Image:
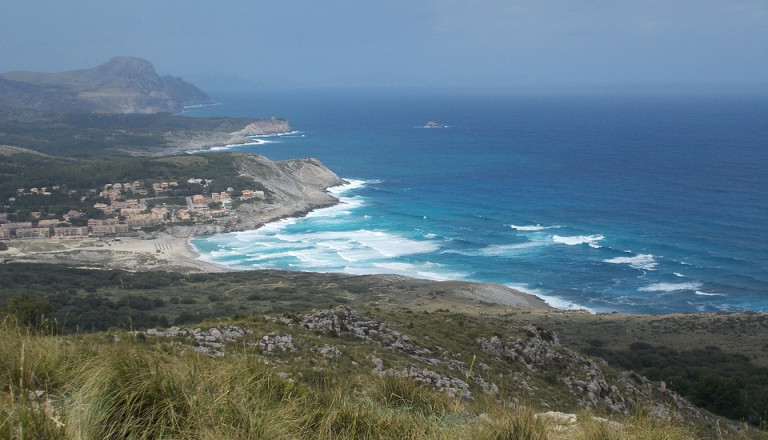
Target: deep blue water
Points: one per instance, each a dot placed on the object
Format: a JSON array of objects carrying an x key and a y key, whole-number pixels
[{"x": 633, "y": 204}]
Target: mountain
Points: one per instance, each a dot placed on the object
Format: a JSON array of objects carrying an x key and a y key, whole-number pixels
[{"x": 121, "y": 85}]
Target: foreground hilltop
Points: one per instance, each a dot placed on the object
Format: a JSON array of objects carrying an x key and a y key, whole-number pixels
[
  {"x": 121, "y": 85},
  {"x": 399, "y": 358}
]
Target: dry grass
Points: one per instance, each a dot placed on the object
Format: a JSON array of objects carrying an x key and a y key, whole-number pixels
[{"x": 93, "y": 387}]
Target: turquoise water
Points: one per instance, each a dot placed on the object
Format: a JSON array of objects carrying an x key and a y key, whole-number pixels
[{"x": 632, "y": 204}]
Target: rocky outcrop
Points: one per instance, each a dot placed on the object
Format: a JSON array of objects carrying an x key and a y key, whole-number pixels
[
  {"x": 527, "y": 359},
  {"x": 121, "y": 85},
  {"x": 270, "y": 344},
  {"x": 259, "y": 127},
  {"x": 534, "y": 356},
  {"x": 540, "y": 354},
  {"x": 264, "y": 127},
  {"x": 210, "y": 341}
]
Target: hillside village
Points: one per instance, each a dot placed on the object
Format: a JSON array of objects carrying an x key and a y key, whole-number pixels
[{"x": 127, "y": 207}]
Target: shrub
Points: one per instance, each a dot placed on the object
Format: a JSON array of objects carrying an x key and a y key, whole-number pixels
[{"x": 29, "y": 312}]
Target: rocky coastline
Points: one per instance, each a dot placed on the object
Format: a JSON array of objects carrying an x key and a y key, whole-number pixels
[
  {"x": 297, "y": 187},
  {"x": 186, "y": 141}
]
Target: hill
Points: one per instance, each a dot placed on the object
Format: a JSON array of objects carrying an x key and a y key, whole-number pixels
[
  {"x": 386, "y": 364},
  {"x": 99, "y": 135},
  {"x": 121, "y": 108},
  {"x": 344, "y": 333},
  {"x": 121, "y": 85}
]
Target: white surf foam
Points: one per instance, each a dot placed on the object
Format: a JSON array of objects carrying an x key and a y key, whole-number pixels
[
  {"x": 591, "y": 240},
  {"x": 553, "y": 301},
  {"x": 345, "y": 207},
  {"x": 699, "y": 292},
  {"x": 532, "y": 228},
  {"x": 500, "y": 250},
  {"x": 290, "y": 133},
  {"x": 387, "y": 245},
  {"x": 423, "y": 271},
  {"x": 669, "y": 287},
  {"x": 279, "y": 243},
  {"x": 252, "y": 141},
  {"x": 322, "y": 250},
  {"x": 639, "y": 261},
  {"x": 351, "y": 185}
]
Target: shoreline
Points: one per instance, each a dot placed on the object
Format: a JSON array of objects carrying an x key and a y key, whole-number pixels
[
  {"x": 251, "y": 140},
  {"x": 172, "y": 250},
  {"x": 134, "y": 254},
  {"x": 166, "y": 252}
]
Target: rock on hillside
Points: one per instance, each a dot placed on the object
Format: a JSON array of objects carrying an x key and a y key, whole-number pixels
[
  {"x": 264, "y": 127},
  {"x": 121, "y": 85},
  {"x": 520, "y": 362}
]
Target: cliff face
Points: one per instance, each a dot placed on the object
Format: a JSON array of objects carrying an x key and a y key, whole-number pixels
[
  {"x": 297, "y": 186},
  {"x": 121, "y": 85}
]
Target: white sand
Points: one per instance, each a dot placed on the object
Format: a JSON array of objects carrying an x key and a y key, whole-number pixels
[{"x": 134, "y": 254}]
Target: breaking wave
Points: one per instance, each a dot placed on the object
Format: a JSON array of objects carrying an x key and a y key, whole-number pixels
[
  {"x": 532, "y": 228},
  {"x": 670, "y": 287},
  {"x": 639, "y": 261},
  {"x": 591, "y": 240}
]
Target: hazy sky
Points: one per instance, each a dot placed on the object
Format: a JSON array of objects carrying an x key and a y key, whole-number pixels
[{"x": 415, "y": 43}]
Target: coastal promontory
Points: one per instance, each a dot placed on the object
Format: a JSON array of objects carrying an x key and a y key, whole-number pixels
[
  {"x": 121, "y": 85},
  {"x": 121, "y": 108}
]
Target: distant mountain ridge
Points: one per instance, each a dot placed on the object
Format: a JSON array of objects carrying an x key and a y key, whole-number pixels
[{"x": 121, "y": 85}]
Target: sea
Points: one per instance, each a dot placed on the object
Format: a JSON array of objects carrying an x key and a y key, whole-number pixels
[{"x": 633, "y": 203}]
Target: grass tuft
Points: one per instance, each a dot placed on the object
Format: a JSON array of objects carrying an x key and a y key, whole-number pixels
[{"x": 99, "y": 387}]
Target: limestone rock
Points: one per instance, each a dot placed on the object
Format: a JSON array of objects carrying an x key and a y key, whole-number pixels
[{"x": 269, "y": 344}]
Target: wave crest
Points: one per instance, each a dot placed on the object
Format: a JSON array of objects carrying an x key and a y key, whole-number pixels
[
  {"x": 591, "y": 240},
  {"x": 670, "y": 287},
  {"x": 531, "y": 228},
  {"x": 639, "y": 261}
]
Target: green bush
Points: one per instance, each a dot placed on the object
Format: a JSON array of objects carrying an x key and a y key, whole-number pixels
[
  {"x": 726, "y": 384},
  {"x": 30, "y": 312}
]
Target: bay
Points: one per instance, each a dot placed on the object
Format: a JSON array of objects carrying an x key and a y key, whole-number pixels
[{"x": 636, "y": 204}]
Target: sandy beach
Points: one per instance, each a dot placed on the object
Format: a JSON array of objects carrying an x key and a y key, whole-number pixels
[
  {"x": 163, "y": 252},
  {"x": 169, "y": 253}
]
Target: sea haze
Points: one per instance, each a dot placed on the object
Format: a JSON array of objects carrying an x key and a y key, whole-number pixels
[{"x": 629, "y": 204}]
